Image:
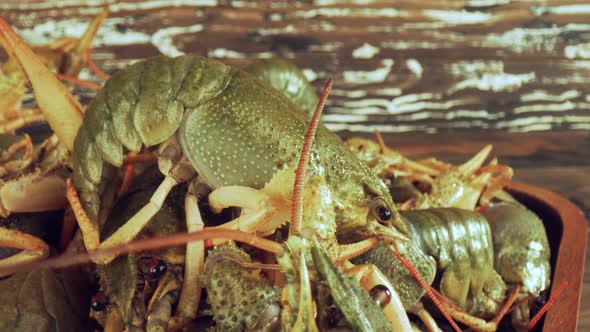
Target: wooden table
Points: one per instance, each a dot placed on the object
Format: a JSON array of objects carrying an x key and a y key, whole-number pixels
[{"x": 455, "y": 74}]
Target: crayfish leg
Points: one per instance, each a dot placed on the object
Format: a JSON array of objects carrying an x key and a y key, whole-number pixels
[
  {"x": 425, "y": 317},
  {"x": 22, "y": 119},
  {"x": 33, "y": 247},
  {"x": 81, "y": 52},
  {"x": 262, "y": 212},
  {"x": 60, "y": 108},
  {"x": 190, "y": 294}
]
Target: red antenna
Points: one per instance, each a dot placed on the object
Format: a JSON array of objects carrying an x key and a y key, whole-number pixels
[
  {"x": 426, "y": 286},
  {"x": 297, "y": 204},
  {"x": 549, "y": 303}
]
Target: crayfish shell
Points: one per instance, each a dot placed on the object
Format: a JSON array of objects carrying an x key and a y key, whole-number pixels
[
  {"x": 521, "y": 246},
  {"x": 251, "y": 299}
]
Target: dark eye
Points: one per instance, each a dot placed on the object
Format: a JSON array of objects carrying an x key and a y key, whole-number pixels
[
  {"x": 381, "y": 295},
  {"x": 98, "y": 302},
  {"x": 156, "y": 269},
  {"x": 384, "y": 213},
  {"x": 381, "y": 212}
]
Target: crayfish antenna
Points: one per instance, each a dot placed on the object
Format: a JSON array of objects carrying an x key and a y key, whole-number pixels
[
  {"x": 297, "y": 202},
  {"x": 147, "y": 244},
  {"x": 426, "y": 286},
  {"x": 60, "y": 108}
]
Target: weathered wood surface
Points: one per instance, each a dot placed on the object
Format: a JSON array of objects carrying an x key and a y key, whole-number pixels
[
  {"x": 445, "y": 67},
  {"x": 399, "y": 66}
]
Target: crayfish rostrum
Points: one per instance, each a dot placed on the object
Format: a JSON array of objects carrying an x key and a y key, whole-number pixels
[{"x": 248, "y": 143}]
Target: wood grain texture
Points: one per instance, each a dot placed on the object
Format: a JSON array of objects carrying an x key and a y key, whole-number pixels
[
  {"x": 430, "y": 66},
  {"x": 443, "y": 71}
]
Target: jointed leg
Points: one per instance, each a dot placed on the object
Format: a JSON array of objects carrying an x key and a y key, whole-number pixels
[
  {"x": 478, "y": 323},
  {"x": 23, "y": 119},
  {"x": 190, "y": 294},
  {"x": 33, "y": 247},
  {"x": 126, "y": 232},
  {"x": 262, "y": 213},
  {"x": 425, "y": 317}
]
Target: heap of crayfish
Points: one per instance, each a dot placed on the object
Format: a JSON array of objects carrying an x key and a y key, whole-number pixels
[{"x": 282, "y": 233}]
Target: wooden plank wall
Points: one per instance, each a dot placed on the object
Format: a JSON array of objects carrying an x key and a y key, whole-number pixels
[{"x": 427, "y": 66}]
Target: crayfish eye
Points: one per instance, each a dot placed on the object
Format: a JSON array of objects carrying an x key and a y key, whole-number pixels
[
  {"x": 156, "y": 269},
  {"x": 98, "y": 302},
  {"x": 384, "y": 213},
  {"x": 381, "y": 212},
  {"x": 381, "y": 295}
]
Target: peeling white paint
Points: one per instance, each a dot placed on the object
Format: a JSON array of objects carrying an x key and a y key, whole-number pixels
[
  {"x": 389, "y": 91},
  {"x": 373, "y": 76},
  {"x": 487, "y": 3},
  {"x": 561, "y": 107},
  {"x": 577, "y": 51},
  {"x": 415, "y": 67},
  {"x": 367, "y": 102},
  {"x": 163, "y": 39},
  {"x": 543, "y": 95},
  {"x": 412, "y": 98},
  {"x": 366, "y": 51},
  {"x": 108, "y": 34},
  {"x": 326, "y": 47},
  {"x": 443, "y": 105},
  {"x": 350, "y": 12},
  {"x": 349, "y": 93},
  {"x": 413, "y": 44},
  {"x": 522, "y": 40},
  {"x": 495, "y": 82},
  {"x": 570, "y": 9},
  {"x": 460, "y": 17},
  {"x": 224, "y": 53},
  {"x": 532, "y": 127},
  {"x": 486, "y": 76},
  {"x": 531, "y": 121}
]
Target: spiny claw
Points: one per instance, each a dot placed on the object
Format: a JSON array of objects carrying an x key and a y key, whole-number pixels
[
  {"x": 470, "y": 166},
  {"x": 305, "y": 315},
  {"x": 61, "y": 109}
]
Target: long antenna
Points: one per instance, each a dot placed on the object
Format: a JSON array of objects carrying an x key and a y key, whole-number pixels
[{"x": 297, "y": 198}]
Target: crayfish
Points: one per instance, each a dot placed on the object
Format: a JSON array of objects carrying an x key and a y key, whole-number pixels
[{"x": 241, "y": 137}]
